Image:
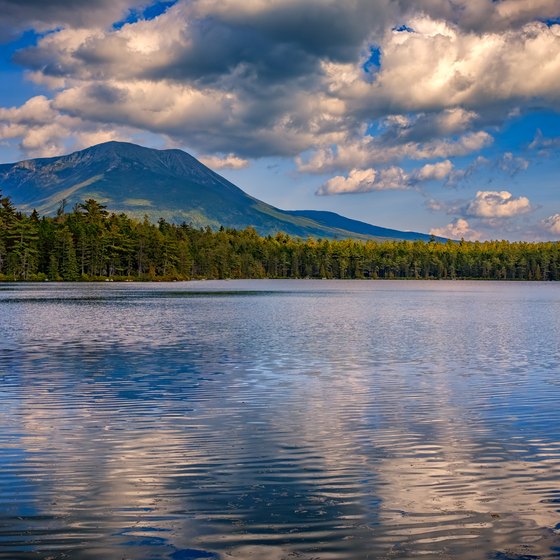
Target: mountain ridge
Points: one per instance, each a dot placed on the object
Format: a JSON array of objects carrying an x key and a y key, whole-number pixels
[{"x": 169, "y": 184}]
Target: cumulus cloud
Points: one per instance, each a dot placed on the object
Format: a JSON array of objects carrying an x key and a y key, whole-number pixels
[
  {"x": 358, "y": 181},
  {"x": 389, "y": 178},
  {"x": 439, "y": 66},
  {"x": 497, "y": 204},
  {"x": 489, "y": 15},
  {"x": 366, "y": 180},
  {"x": 44, "y": 132},
  {"x": 37, "y": 125},
  {"x": 36, "y": 110},
  {"x": 170, "y": 76},
  {"x": 210, "y": 119},
  {"x": 491, "y": 215},
  {"x": 213, "y": 41},
  {"x": 346, "y": 24},
  {"x": 48, "y": 14},
  {"x": 370, "y": 150},
  {"x": 226, "y": 162},
  {"x": 437, "y": 171},
  {"x": 259, "y": 78},
  {"x": 457, "y": 229},
  {"x": 421, "y": 127},
  {"x": 551, "y": 224}
]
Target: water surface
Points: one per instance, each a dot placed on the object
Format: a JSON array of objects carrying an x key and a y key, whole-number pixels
[{"x": 280, "y": 419}]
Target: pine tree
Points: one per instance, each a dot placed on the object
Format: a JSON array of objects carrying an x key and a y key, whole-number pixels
[
  {"x": 67, "y": 255},
  {"x": 23, "y": 241}
]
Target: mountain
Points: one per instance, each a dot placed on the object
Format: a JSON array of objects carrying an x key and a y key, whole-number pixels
[{"x": 169, "y": 184}]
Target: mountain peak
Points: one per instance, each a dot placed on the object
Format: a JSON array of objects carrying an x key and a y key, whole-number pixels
[
  {"x": 116, "y": 147},
  {"x": 130, "y": 151}
]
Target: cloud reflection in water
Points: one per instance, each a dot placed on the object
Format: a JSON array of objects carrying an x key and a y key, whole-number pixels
[{"x": 330, "y": 420}]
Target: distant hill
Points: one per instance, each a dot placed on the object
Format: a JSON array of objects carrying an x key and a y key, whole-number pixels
[{"x": 169, "y": 184}]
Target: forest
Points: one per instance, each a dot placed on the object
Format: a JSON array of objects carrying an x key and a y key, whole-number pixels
[{"x": 91, "y": 244}]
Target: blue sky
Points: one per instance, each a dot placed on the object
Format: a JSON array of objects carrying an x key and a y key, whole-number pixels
[{"x": 442, "y": 116}]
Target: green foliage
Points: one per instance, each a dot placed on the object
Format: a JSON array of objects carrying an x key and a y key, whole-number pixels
[{"x": 89, "y": 243}]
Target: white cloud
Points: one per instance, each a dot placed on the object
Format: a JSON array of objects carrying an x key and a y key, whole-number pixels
[
  {"x": 440, "y": 66},
  {"x": 366, "y": 180},
  {"x": 389, "y": 178},
  {"x": 393, "y": 178},
  {"x": 194, "y": 75},
  {"x": 50, "y": 14},
  {"x": 369, "y": 151},
  {"x": 456, "y": 119},
  {"x": 36, "y": 110},
  {"x": 438, "y": 171},
  {"x": 227, "y": 162},
  {"x": 37, "y": 125},
  {"x": 43, "y": 131},
  {"x": 193, "y": 66},
  {"x": 209, "y": 118},
  {"x": 497, "y": 204},
  {"x": 423, "y": 127},
  {"x": 457, "y": 229},
  {"x": 552, "y": 224},
  {"x": 489, "y": 15},
  {"x": 358, "y": 180}
]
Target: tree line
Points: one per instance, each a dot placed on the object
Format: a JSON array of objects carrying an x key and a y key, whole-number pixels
[{"x": 90, "y": 243}]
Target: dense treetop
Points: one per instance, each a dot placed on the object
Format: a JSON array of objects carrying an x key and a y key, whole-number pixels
[{"x": 89, "y": 243}]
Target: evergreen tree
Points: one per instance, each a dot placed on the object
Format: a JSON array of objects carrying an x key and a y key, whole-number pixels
[
  {"x": 90, "y": 243},
  {"x": 68, "y": 264}
]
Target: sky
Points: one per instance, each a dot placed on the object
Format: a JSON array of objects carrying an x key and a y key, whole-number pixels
[{"x": 438, "y": 116}]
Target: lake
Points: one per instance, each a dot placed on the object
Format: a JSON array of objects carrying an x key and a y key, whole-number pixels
[{"x": 336, "y": 420}]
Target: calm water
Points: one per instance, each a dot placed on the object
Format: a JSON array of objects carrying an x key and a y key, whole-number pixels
[{"x": 280, "y": 420}]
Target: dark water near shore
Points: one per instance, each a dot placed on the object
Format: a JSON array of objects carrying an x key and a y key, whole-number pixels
[{"x": 280, "y": 420}]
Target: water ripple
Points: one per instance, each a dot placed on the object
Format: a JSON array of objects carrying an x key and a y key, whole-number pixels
[{"x": 280, "y": 420}]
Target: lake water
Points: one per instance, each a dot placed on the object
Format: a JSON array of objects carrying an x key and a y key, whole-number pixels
[{"x": 280, "y": 420}]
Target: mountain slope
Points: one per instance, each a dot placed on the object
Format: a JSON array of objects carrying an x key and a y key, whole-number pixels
[
  {"x": 169, "y": 184},
  {"x": 330, "y": 219}
]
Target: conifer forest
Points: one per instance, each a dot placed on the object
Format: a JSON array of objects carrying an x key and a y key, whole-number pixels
[{"x": 90, "y": 243}]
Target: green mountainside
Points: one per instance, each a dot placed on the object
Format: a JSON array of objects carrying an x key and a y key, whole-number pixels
[{"x": 169, "y": 184}]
